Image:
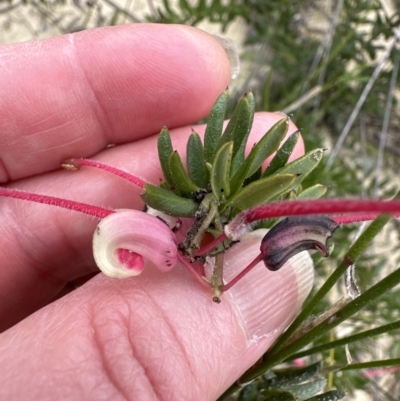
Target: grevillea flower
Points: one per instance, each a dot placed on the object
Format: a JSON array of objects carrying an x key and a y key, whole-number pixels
[{"x": 123, "y": 241}]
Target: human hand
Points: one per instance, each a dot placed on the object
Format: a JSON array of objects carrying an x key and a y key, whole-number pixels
[{"x": 156, "y": 336}]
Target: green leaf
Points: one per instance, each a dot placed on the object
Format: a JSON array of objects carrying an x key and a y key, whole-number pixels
[
  {"x": 197, "y": 169},
  {"x": 314, "y": 192},
  {"x": 214, "y": 127},
  {"x": 349, "y": 339},
  {"x": 381, "y": 363},
  {"x": 282, "y": 155},
  {"x": 167, "y": 202},
  {"x": 220, "y": 172},
  {"x": 303, "y": 166},
  {"x": 305, "y": 390},
  {"x": 165, "y": 150},
  {"x": 291, "y": 376},
  {"x": 277, "y": 395},
  {"x": 267, "y": 145},
  {"x": 249, "y": 393},
  {"x": 239, "y": 125},
  {"x": 333, "y": 395},
  {"x": 261, "y": 191},
  {"x": 181, "y": 180}
]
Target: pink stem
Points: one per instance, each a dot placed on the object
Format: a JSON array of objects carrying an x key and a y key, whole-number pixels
[
  {"x": 211, "y": 245},
  {"x": 197, "y": 276},
  {"x": 73, "y": 164},
  {"x": 96, "y": 211},
  {"x": 304, "y": 207},
  {"x": 255, "y": 262},
  {"x": 355, "y": 218}
]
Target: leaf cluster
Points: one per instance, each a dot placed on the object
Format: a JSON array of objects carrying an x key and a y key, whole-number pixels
[{"x": 220, "y": 170}]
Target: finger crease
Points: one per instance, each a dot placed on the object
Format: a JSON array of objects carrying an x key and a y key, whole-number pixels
[{"x": 97, "y": 108}]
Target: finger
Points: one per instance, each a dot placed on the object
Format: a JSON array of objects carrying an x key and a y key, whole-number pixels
[
  {"x": 157, "y": 336},
  {"x": 46, "y": 247},
  {"x": 73, "y": 95}
]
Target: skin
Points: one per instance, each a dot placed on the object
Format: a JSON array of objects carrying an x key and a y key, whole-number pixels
[{"x": 154, "y": 337}]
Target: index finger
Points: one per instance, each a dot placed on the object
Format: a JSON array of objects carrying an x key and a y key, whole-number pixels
[{"x": 73, "y": 95}]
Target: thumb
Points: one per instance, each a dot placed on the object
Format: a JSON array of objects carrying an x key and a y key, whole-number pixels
[{"x": 157, "y": 336}]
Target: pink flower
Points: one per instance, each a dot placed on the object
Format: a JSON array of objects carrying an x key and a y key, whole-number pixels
[{"x": 124, "y": 240}]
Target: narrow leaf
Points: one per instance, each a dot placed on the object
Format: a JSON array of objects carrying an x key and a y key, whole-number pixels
[
  {"x": 303, "y": 166},
  {"x": 306, "y": 390},
  {"x": 314, "y": 192},
  {"x": 220, "y": 172},
  {"x": 333, "y": 395},
  {"x": 239, "y": 155},
  {"x": 277, "y": 395},
  {"x": 349, "y": 339},
  {"x": 241, "y": 174},
  {"x": 167, "y": 202},
  {"x": 197, "y": 169},
  {"x": 165, "y": 150},
  {"x": 261, "y": 191},
  {"x": 282, "y": 155},
  {"x": 214, "y": 127},
  {"x": 249, "y": 393},
  {"x": 239, "y": 125},
  {"x": 291, "y": 376},
  {"x": 382, "y": 363},
  {"x": 181, "y": 180},
  {"x": 267, "y": 145}
]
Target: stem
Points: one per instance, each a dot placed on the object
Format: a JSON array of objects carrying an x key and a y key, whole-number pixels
[
  {"x": 210, "y": 216},
  {"x": 317, "y": 206},
  {"x": 217, "y": 281},
  {"x": 255, "y": 262},
  {"x": 96, "y": 211},
  {"x": 209, "y": 247},
  {"x": 197, "y": 276},
  {"x": 357, "y": 218},
  {"x": 75, "y": 164}
]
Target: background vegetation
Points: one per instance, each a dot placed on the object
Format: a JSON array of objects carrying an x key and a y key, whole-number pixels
[{"x": 334, "y": 67}]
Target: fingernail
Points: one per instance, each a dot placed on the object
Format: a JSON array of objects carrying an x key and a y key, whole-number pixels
[
  {"x": 266, "y": 301},
  {"x": 232, "y": 54}
]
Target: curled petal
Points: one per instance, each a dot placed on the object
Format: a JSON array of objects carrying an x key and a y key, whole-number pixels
[
  {"x": 296, "y": 234},
  {"x": 125, "y": 239}
]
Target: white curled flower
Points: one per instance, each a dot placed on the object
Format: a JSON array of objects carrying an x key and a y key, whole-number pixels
[{"x": 125, "y": 239}]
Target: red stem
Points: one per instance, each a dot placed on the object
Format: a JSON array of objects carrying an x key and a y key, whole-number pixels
[
  {"x": 197, "y": 276},
  {"x": 371, "y": 208},
  {"x": 356, "y": 218},
  {"x": 74, "y": 164},
  {"x": 254, "y": 263},
  {"x": 96, "y": 211},
  {"x": 211, "y": 245}
]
